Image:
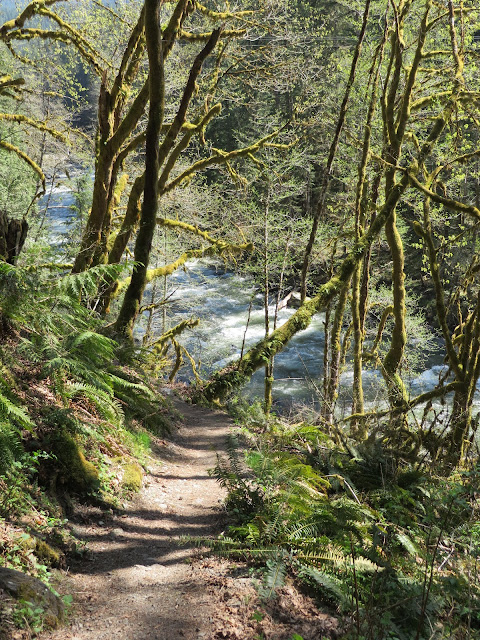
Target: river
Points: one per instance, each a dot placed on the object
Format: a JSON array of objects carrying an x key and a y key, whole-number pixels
[{"x": 222, "y": 300}]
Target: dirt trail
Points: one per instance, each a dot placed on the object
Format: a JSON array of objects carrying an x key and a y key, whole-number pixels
[{"x": 139, "y": 584}]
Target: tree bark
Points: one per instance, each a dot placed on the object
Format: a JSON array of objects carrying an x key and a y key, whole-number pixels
[
  {"x": 133, "y": 295},
  {"x": 156, "y": 155},
  {"x": 13, "y": 234}
]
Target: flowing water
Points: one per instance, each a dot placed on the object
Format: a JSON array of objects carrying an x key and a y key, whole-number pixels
[
  {"x": 232, "y": 317},
  {"x": 232, "y": 314}
]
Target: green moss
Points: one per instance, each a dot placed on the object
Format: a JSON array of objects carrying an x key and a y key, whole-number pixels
[
  {"x": 132, "y": 477},
  {"x": 26, "y": 542},
  {"x": 77, "y": 472},
  {"x": 47, "y": 554}
]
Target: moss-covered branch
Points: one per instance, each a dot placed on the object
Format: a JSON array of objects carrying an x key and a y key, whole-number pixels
[
  {"x": 36, "y": 124},
  {"x": 204, "y": 37},
  {"x": 131, "y": 52},
  {"x": 189, "y": 228},
  {"x": 218, "y": 158},
  {"x": 167, "y": 270},
  {"x": 172, "y": 333},
  {"x": 30, "y": 10},
  {"x": 438, "y": 392},
  {"x": 26, "y": 158},
  {"x": 59, "y": 36},
  {"x": 449, "y": 203},
  {"x": 11, "y": 86}
]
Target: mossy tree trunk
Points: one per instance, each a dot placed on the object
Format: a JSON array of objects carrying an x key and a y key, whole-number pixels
[
  {"x": 156, "y": 156},
  {"x": 335, "y": 341},
  {"x": 396, "y": 110},
  {"x": 134, "y": 293},
  {"x": 117, "y": 137},
  {"x": 115, "y": 126},
  {"x": 361, "y": 275}
]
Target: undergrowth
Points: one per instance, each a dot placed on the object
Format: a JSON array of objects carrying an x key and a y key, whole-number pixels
[
  {"x": 393, "y": 550},
  {"x": 74, "y": 409}
]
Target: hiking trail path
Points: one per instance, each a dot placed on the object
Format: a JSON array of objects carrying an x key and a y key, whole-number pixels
[{"x": 140, "y": 581}]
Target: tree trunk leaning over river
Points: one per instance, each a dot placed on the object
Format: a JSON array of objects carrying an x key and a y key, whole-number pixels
[{"x": 396, "y": 114}]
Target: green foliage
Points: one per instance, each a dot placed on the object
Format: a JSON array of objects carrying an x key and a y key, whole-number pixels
[
  {"x": 28, "y": 615},
  {"x": 10, "y": 447},
  {"x": 57, "y": 338},
  {"x": 13, "y": 479},
  {"x": 274, "y": 577},
  {"x": 132, "y": 477},
  {"x": 390, "y": 553},
  {"x": 17, "y": 181}
]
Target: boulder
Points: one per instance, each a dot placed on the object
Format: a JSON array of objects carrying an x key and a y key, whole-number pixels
[{"x": 25, "y": 588}]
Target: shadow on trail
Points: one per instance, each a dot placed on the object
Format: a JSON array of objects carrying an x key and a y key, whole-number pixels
[
  {"x": 150, "y": 535},
  {"x": 208, "y": 444},
  {"x": 157, "y": 545}
]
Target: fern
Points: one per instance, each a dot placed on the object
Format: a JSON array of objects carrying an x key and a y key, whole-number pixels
[
  {"x": 334, "y": 587},
  {"x": 106, "y": 404},
  {"x": 274, "y": 577},
  {"x": 86, "y": 284},
  {"x": 10, "y": 411},
  {"x": 16, "y": 414},
  {"x": 407, "y": 543},
  {"x": 122, "y": 384},
  {"x": 10, "y": 447}
]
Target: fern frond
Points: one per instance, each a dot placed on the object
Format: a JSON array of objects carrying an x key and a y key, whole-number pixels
[
  {"x": 128, "y": 385},
  {"x": 274, "y": 577},
  {"x": 87, "y": 283},
  {"x": 407, "y": 543},
  {"x": 15, "y": 413},
  {"x": 10, "y": 447},
  {"x": 10, "y": 411},
  {"x": 334, "y": 587},
  {"x": 106, "y": 404}
]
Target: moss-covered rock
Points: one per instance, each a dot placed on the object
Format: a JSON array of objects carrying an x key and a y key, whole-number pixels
[
  {"x": 47, "y": 554},
  {"x": 27, "y": 589},
  {"x": 75, "y": 470},
  {"x": 132, "y": 476}
]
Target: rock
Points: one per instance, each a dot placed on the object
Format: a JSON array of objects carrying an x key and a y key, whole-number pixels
[
  {"x": 294, "y": 300},
  {"x": 77, "y": 472},
  {"x": 28, "y": 589},
  {"x": 117, "y": 533},
  {"x": 47, "y": 554}
]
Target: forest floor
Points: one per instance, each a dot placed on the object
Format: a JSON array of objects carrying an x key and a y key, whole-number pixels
[{"x": 140, "y": 581}]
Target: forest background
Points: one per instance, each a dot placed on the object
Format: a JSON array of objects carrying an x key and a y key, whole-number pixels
[{"x": 321, "y": 148}]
